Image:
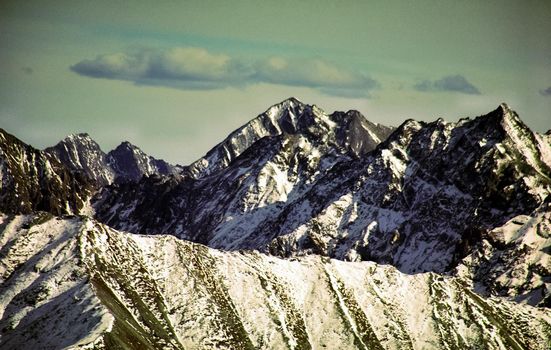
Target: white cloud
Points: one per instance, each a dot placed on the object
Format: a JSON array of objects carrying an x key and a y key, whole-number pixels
[{"x": 196, "y": 68}]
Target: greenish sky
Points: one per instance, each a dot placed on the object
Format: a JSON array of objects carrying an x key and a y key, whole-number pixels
[{"x": 175, "y": 77}]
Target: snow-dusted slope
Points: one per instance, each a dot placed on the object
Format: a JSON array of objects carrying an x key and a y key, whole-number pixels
[
  {"x": 74, "y": 283},
  {"x": 514, "y": 260},
  {"x": 80, "y": 153},
  {"x": 33, "y": 180}
]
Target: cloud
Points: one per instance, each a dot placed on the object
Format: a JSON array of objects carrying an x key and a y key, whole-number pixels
[
  {"x": 196, "y": 68},
  {"x": 546, "y": 92},
  {"x": 454, "y": 83},
  {"x": 186, "y": 68},
  {"x": 317, "y": 74}
]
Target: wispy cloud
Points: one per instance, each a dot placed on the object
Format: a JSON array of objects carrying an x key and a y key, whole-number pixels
[
  {"x": 198, "y": 69},
  {"x": 546, "y": 92},
  {"x": 453, "y": 83}
]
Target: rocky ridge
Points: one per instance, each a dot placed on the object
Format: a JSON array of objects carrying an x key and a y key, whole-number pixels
[{"x": 77, "y": 284}]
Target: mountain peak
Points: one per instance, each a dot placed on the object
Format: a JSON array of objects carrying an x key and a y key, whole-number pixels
[
  {"x": 291, "y": 100},
  {"x": 504, "y": 107},
  {"x": 79, "y": 152},
  {"x": 506, "y": 113},
  {"x": 131, "y": 163},
  {"x": 78, "y": 137},
  {"x": 283, "y": 108},
  {"x": 126, "y": 145},
  {"x": 340, "y": 131}
]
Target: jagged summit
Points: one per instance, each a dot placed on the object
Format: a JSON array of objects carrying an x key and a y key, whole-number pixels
[
  {"x": 126, "y": 145},
  {"x": 81, "y": 153},
  {"x": 346, "y": 132},
  {"x": 504, "y": 106},
  {"x": 126, "y": 162},
  {"x": 130, "y": 163},
  {"x": 33, "y": 180},
  {"x": 290, "y": 101},
  {"x": 78, "y": 135}
]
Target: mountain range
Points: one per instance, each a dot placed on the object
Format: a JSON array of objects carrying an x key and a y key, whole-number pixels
[{"x": 301, "y": 229}]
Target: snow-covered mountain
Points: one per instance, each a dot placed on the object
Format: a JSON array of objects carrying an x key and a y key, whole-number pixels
[
  {"x": 77, "y": 284},
  {"x": 342, "y": 132},
  {"x": 302, "y": 229},
  {"x": 249, "y": 178}
]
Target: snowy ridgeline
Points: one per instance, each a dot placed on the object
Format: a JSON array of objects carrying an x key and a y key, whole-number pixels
[{"x": 75, "y": 283}]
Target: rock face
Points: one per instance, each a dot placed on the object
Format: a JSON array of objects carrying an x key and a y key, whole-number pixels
[
  {"x": 249, "y": 178},
  {"x": 62, "y": 179},
  {"x": 513, "y": 260},
  {"x": 34, "y": 180},
  {"x": 340, "y": 131},
  {"x": 74, "y": 283},
  {"x": 80, "y": 153}
]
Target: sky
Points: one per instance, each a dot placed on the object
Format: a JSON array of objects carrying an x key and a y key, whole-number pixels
[{"x": 176, "y": 77}]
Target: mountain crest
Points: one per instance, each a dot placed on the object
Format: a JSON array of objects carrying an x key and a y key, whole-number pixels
[
  {"x": 131, "y": 163},
  {"x": 80, "y": 153},
  {"x": 346, "y": 132}
]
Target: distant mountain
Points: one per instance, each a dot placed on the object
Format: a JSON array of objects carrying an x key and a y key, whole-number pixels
[
  {"x": 249, "y": 178},
  {"x": 33, "y": 180},
  {"x": 83, "y": 285},
  {"x": 346, "y": 132},
  {"x": 131, "y": 163},
  {"x": 80, "y": 153},
  {"x": 63, "y": 178}
]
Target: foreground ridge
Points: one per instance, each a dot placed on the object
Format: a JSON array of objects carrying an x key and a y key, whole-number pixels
[{"x": 75, "y": 283}]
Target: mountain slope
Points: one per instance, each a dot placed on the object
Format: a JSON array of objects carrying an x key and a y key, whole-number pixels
[
  {"x": 514, "y": 260},
  {"x": 80, "y": 153},
  {"x": 33, "y": 180},
  {"x": 250, "y": 176},
  {"x": 78, "y": 284},
  {"x": 422, "y": 197}
]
